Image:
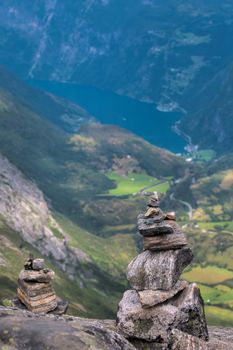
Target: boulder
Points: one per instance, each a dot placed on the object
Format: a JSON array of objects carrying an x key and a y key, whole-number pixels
[
  {"x": 184, "y": 312},
  {"x": 158, "y": 270},
  {"x": 183, "y": 341},
  {"x": 153, "y": 324},
  {"x": 191, "y": 303},
  {"x": 149, "y": 298},
  {"x": 24, "y": 330}
]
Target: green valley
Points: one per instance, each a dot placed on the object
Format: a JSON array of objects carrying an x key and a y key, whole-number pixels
[{"x": 94, "y": 177}]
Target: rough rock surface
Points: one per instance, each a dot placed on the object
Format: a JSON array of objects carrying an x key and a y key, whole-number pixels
[
  {"x": 149, "y": 298},
  {"x": 165, "y": 242},
  {"x": 42, "y": 303},
  {"x": 36, "y": 276},
  {"x": 190, "y": 302},
  {"x": 24, "y": 330},
  {"x": 180, "y": 341},
  {"x": 21, "y": 329},
  {"x": 158, "y": 270},
  {"x": 25, "y": 210},
  {"x": 151, "y": 324},
  {"x": 221, "y": 338},
  {"x": 154, "y": 226},
  {"x": 185, "y": 312}
]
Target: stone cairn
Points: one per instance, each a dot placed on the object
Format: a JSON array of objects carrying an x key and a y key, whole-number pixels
[
  {"x": 160, "y": 308},
  {"x": 34, "y": 287}
]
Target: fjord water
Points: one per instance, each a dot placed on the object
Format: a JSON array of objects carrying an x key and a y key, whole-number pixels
[{"x": 141, "y": 118}]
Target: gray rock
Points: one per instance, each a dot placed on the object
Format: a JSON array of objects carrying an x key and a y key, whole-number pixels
[
  {"x": 221, "y": 338},
  {"x": 36, "y": 276},
  {"x": 158, "y": 270},
  {"x": 165, "y": 242},
  {"x": 153, "y": 324},
  {"x": 153, "y": 201},
  {"x": 149, "y": 298},
  {"x": 154, "y": 226},
  {"x": 191, "y": 303},
  {"x": 24, "y": 330},
  {"x": 184, "y": 341},
  {"x": 38, "y": 264},
  {"x": 145, "y": 345}
]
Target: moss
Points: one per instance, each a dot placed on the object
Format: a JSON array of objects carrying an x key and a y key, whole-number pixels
[
  {"x": 7, "y": 303},
  {"x": 143, "y": 326}
]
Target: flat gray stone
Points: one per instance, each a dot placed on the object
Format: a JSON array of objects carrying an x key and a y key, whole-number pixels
[
  {"x": 149, "y": 298},
  {"x": 154, "y": 225},
  {"x": 36, "y": 276},
  {"x": 165, "y": 242},
  {"x": 158, "y": 270}
]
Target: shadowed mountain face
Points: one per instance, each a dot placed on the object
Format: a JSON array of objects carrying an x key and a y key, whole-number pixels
[
  {"x": 151, "y": 50},
  {"x": 211, "y": 126}
]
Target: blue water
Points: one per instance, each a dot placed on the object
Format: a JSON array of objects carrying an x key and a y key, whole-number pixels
[{"x": 141, "y": 118}]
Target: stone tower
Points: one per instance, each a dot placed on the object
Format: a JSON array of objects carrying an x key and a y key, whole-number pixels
[{"x": 160, "y": 308}]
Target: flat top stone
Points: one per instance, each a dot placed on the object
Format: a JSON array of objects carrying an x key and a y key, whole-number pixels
[
  {"x": 149, "y": 298},
  {"x": 42, "y": 276}
]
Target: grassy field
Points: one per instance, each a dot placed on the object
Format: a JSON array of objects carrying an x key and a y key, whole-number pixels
[
  {"x": 133, "y": 183},
  {"x": 206, "y": 155},
  {"x": 209, "y": 275},
  {"x": 219, "y": 316},
  {"x": 227, "y": 225}
]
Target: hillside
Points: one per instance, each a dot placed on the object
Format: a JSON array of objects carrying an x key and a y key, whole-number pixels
[
  {"x": 56, "y": 200},
  {"x": 211, "y": 126},
  {"x": 65, "y": 166},
  {"x": 208, "y": 192},
  {"x": 151, "y": 50}
]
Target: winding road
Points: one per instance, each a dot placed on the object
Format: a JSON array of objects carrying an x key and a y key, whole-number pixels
[{"x": 188, "y": 205}]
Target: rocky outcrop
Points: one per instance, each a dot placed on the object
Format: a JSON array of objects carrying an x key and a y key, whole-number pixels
[
  {"x": 23, "y": 207},
  {"x": 161, "y": 309},
  {"x": 24, "y": 330},
  {"x": 21, "y": 329}
]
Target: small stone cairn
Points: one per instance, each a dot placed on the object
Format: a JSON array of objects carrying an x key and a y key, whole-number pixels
[
  {"x": 161, "y": 309},
  {"x": 34, "y": 287}
]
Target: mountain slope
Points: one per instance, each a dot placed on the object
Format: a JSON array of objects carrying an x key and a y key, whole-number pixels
[
  {"x": 212, "y": 126},
  {"x": 69, "y": 171},
  {"x": 152, "y": 50},
  {"x": 55, "y": 200}
]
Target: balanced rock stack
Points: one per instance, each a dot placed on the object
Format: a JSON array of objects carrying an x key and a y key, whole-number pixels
[
  {"x": 160, "y": 308},
  {"x": 34, "y": 287}
]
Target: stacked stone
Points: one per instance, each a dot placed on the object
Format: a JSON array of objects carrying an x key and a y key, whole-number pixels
[
  {"x": 160, "y": 306},
  {"x": 34, "y": 287}
]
